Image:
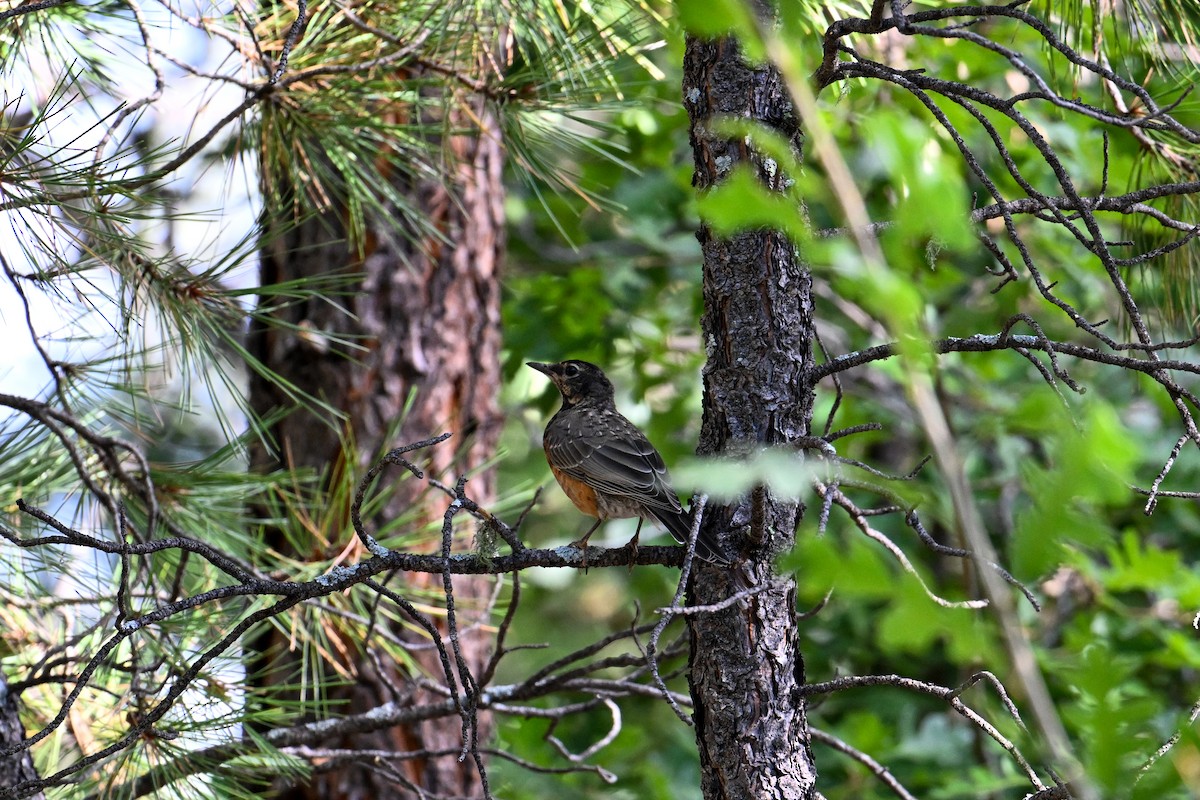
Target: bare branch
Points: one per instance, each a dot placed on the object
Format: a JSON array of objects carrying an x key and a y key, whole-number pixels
[
  {"x": 878, "y": 770},
  {"x": 951, "y": 696}
]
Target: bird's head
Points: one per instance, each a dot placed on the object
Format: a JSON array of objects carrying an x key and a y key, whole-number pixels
[{"x": 577, "y": 381}]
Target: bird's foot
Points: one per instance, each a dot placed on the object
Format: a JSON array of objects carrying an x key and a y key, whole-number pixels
[
  {"x": 581, "y": 544},
  {"x": 632, "y": 547}
]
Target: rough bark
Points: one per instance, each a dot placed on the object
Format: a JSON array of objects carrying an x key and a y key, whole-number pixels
[
  {"x": 428, "y": 313},
  {"x": 17, "y": 768},
  {"x": 746, "y": 668}
]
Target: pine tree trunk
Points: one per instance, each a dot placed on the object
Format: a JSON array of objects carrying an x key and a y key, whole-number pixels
[
  {"x": 17, "y": 768},
  {"x": 746, "y": 667},
  {"x": 428, "y": 313}
]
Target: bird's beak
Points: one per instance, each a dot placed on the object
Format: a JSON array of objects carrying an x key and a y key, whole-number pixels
[{"x": 540, "y": 367}]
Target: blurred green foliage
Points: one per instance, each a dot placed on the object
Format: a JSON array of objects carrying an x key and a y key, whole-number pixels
[{"x": 1052, "y": 469}]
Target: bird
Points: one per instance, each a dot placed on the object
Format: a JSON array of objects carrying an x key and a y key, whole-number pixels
[{"x": 606, "y": 465}]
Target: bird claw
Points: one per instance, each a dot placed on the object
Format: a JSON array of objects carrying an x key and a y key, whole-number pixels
[
  {"x": 632, "y": 547},
  {"x": 581, "y": 544}
]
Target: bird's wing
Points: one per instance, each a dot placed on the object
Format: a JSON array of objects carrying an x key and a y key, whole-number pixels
[{"x": 620, "y": 461}]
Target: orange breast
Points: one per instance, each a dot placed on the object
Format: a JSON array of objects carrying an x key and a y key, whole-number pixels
[{"x": 582, "y": 495}]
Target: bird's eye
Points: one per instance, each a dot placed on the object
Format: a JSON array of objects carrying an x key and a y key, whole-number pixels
[{"x": 571, "y": 370}]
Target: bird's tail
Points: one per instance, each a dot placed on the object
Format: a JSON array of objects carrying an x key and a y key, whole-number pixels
[{"x": 679, "y": 523}]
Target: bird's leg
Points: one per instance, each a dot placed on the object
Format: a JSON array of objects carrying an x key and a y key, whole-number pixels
[
  {"x": 632, "y": 544},
  {"x": 581, "y": 543}
]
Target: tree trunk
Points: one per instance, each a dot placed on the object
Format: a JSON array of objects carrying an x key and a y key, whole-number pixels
[
  {"x": 746, "y": 668},
  {"x": 17, "y": 768},
  {"x": 428, "y": 313}
]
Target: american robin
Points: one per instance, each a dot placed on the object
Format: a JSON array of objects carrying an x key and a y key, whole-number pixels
[{"x": 605, "y": 464}]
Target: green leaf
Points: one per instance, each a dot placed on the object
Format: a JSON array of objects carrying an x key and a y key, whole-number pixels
[
  {"x": 710, "y": 19},
  {"x": 1091, "y": 458},
  {"x": 851, "y": 569},
  {"x": 1135, "y": 566},
  {"x": 743, "y": 203},
  {"x": 727, "y": 479}
]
